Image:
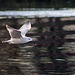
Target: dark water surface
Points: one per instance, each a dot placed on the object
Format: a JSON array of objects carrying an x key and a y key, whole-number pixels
[{"x": 45, "y": 56}]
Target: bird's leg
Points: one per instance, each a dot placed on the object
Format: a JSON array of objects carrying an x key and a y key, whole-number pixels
[{"x": 11, "y": 42}]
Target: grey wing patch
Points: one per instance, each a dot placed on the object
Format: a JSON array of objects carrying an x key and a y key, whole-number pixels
[{"x": 16, "y": 34}]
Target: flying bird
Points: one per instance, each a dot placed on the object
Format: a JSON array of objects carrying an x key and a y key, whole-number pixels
[{"x": 18, "y": 35}]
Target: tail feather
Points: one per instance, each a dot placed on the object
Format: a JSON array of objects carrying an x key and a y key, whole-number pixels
[{"x": 5, "y": 41}]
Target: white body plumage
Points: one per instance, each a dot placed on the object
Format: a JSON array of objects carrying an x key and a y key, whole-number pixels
[{"x": 18, "y": 36}]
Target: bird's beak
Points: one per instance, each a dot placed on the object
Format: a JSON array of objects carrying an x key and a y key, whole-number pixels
[
  {"x": 31, "y": 40},
  {"x": 6, "y": 26},
  {"x": 34, "y": 39}
]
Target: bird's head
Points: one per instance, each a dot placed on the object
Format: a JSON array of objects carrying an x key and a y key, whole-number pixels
[{"x": 29, "y": 39}]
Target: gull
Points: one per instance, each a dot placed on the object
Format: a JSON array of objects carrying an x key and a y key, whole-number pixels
[{"x": 18, "y": 35}]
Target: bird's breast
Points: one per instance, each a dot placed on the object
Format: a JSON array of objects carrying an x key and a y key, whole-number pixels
[{"x": 20, "y": 40}]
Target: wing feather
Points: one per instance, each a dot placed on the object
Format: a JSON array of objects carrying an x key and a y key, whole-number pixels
[
  {"x": 14, "y": 33},
  {"x": 25, "y": 28}
]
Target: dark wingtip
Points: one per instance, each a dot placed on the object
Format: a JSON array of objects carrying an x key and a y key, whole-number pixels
[{"x": 28, "y": 22}]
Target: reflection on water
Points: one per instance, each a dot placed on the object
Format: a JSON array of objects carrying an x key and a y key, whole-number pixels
[
  {"x": 38, "y": 13},
  {"x": 34, "y": 58}
]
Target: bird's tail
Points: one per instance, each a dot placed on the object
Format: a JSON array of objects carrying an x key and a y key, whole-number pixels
[{"x": 4, "y": 41}]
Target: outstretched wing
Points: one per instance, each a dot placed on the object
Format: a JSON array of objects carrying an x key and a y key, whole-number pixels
[
  {"x": 14, "y": 33},
  {"x": 25, "y": 28}
]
